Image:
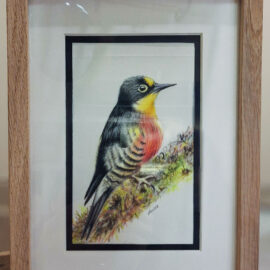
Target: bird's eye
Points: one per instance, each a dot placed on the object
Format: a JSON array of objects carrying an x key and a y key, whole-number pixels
[{"x": 143, "y": 88}]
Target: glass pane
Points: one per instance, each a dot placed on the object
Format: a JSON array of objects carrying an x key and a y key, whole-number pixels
[{"x": 83, "y": 88}]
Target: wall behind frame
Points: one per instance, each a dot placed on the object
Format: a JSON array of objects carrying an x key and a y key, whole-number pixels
[
  {"x": 265, "y": 135},
  {"x": 265, "y": 144},
  {"x": 4, "y": 221}
]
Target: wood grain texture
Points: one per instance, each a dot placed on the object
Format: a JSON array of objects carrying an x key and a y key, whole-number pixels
[
  {"x": 4, "y": 260},
  {"x": 18, "y": 127},
  {"x": 249, "y": 108}
]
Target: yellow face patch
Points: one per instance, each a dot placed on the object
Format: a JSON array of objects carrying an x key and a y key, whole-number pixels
[
  {"x": 146, "y": 105},
  {"x": 149, "y": 81}
]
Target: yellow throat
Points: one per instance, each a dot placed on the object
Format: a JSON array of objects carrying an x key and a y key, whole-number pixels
[{"x": 146, "y": 105}]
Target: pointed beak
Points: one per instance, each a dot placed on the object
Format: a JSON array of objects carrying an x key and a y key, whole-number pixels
[{"x": 158, "y": 86}]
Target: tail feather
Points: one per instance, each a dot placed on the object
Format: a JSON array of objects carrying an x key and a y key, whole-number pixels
[
  {"x": 92, "y": 187},
  {"x": 94, "y": 213}
]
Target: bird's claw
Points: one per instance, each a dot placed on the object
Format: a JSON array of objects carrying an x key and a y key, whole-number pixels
[{"x": 145, "y": 181}]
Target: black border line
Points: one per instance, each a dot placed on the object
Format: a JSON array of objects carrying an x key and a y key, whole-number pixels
[{"x": 196, "y": 40}]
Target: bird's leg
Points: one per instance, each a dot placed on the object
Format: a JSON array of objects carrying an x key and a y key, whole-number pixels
[{"x": 145, "y": 180}]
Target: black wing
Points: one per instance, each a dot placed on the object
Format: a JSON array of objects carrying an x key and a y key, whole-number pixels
[{"x": 111, "y": 135}]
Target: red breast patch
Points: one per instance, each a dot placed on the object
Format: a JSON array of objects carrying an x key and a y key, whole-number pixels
[{"x": 153, "y": 137}]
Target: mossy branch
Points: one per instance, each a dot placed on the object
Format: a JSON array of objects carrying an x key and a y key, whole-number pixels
[{"x": 173, "y": 165}]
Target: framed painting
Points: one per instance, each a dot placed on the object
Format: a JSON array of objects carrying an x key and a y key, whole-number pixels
[{"x": 134, "y": 133}]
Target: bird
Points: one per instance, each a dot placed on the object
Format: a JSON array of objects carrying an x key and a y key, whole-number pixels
[{"x": 131, "y": 137}]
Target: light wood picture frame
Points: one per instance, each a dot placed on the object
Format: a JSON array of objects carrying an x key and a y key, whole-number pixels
[{"x": 248, "y": 141}]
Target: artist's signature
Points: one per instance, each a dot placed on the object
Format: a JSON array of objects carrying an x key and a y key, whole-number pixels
[{"x": 152, "y": 210}]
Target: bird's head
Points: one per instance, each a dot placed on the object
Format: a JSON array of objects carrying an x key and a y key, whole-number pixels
[{"x": 140, "y": 93}]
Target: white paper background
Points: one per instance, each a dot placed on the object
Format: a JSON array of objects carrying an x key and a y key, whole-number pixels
[
  {"x": 217, "y": 21},
  {"x": 98, "y": 72}
]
